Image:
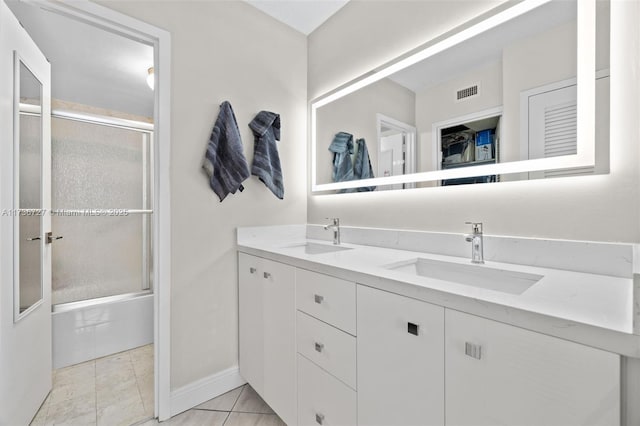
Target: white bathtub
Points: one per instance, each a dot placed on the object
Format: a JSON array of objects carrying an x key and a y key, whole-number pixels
[{"x": 95, "y": 328}]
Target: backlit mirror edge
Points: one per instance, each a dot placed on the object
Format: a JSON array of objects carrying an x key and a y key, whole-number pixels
[{"x": 585, "y": 77}]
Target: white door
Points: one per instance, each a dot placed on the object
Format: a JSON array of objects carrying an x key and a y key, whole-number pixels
[
  {"x": 392, "y": 162},
  {"x": 552, "y": 123},
  {"x": 552, "y": 127},
  {"x": 25, "y": 200}
]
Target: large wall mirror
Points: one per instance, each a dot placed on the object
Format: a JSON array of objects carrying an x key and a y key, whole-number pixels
[
  {"x": 521, "y": 92},
  {"x": 28, "y": 236}
]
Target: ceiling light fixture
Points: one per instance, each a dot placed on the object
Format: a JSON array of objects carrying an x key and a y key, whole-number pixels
[{"x": 150, "y": 78}]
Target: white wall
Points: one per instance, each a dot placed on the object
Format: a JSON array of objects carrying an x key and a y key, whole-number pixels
[
  {"x": 222, "y": 51},
  {"x": 533, "y": 63},
  {"x": 602, "y": 208},
  {"x": 356, "y": 114}
]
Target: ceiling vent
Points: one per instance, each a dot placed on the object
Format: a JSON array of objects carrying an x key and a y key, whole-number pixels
[{"x": 468, "y": 92}]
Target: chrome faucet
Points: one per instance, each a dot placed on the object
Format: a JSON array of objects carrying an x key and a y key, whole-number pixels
[
  {"x": 335, "y": 225},
  {"x": 477, "y": 255}
]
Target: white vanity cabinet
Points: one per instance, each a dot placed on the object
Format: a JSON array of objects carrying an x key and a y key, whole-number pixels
[
  {"x": 322, "y": 350},
  {"x": 400, "y": 360},
  {"x": 267, "y": 332},
  {"x": 497, "y": 374}
]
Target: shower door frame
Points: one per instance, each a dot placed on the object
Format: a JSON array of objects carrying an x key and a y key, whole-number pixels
[
  {"x": 146, "y": 131},
  {"x": 116, "y": 22}
]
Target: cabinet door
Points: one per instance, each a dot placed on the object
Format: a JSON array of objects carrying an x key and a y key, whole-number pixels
[
  {"x": 400, "y": 360},
  {"x": 279, "y": 324},
  {"x": 503, "y": 375},
  {"x": 250, "y": 315}
]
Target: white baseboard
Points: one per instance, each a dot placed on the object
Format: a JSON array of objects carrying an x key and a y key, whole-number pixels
[{"x": 202, "y": 390}]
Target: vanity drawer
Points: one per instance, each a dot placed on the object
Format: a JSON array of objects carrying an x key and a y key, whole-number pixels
[
  {"x": 328, "y": 347},
  {"x": 323, "y": 399},
  {"x": 329, "y": 299}
]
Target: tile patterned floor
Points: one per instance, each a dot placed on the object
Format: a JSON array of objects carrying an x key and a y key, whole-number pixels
[
  {"x": 110, "y": 391},
  {"x": 239, "y": 407},
  {"x": 118, "y": 391}
]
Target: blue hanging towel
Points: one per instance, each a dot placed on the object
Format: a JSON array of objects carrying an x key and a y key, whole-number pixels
[
  {"x": 266, "y": 162},
  {"x": 342, "y": 148},
  {"x": 224, "y": 161},
  {"x": 362, "y": 167}
]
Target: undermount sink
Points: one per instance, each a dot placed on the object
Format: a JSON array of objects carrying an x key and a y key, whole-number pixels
[
  {"x": 317, "y": 248},
  {"x": 473, "y": 275}
]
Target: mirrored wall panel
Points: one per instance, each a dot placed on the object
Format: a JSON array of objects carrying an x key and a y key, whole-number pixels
[
  {"x": 28, "y": 190},
  {"x": 505, "y": 95}
]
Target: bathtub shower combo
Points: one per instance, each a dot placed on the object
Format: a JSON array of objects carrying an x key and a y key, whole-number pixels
[{"x": 102, "y": 184}]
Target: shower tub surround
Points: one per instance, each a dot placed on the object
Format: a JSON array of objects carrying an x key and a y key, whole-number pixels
[
  {"x": 101, "y": 288},
  {"x": 102, "y": 327},
  {"x": 341, "y": 328}
]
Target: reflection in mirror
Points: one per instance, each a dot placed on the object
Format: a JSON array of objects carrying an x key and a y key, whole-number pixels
[
  {"x": 505, "y": 95},
  {"x": 28, "y": 223},
  {"x": 396, "y": 149}
]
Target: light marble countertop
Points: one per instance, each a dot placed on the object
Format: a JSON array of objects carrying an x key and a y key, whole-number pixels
[{"x": 591, "y": 309}]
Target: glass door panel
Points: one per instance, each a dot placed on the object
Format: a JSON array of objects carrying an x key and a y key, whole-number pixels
[
  {"x": 28, "y": 235},
  {"x": 99, "y": 256},
  {"x": 101, "y": 182}
]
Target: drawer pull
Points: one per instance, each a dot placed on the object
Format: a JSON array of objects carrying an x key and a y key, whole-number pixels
[
  {"x": 412, "y": 328},
  {"x": 319, "y": 418},
  {"x": 266, "y": 275},
  {"x": 319, "y": 299},
  {"x": 319, "y": 347},
  {"x": 252, "y": 270},
  {"x": 473, "y": 350}
]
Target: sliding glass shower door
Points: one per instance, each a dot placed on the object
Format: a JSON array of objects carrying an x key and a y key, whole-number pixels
[{"x": 101, "y": 197}]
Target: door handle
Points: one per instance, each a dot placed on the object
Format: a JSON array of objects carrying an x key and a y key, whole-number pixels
[
  {"x": 51, "y": 238},
  {"x": 33, "y": 239}
]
